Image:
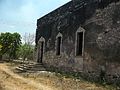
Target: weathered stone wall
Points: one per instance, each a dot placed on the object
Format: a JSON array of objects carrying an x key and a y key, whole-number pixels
[
  {"x": 102, "y": 47},
  {"x": 102, "y": 39}
]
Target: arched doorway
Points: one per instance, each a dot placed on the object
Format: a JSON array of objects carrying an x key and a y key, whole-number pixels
[{"x": 41, "y": 44}]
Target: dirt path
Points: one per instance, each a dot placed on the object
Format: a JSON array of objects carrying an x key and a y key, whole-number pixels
[{"x": 12, "y": 81}]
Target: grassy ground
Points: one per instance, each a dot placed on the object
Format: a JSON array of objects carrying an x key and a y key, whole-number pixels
[
  {"x": 62, "y": 83},
  {"x": 43, "y": 79}
]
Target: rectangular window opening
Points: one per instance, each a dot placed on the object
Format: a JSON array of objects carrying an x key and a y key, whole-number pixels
[{"x": 79, "y": 48}]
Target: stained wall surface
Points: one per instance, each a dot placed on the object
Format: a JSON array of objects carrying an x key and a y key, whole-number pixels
[{"x": 100, "y": 23}]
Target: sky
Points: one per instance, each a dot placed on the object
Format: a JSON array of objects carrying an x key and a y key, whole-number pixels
[{"x": 21, "y": 15}]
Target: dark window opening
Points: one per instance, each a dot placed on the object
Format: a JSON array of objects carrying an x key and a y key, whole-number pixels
[
  {"x": 79, "y": 44},
  {"x": 58, "y": 45},
  {"x": 41, "y": 56}
]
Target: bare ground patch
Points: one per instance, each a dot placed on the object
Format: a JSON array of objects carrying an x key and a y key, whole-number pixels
[
  {"x": 42, "y": 80},
  {"x": 12, "y": 81}
]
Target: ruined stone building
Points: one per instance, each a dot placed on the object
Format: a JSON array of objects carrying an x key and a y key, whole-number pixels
[{"x": 82, "y": 36}]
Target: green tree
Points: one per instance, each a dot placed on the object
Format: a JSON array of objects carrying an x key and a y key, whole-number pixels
[
  {"x": 0, "y": 52},
  {"x": 26, "y": 51},
  {"x": 15, "y": 44},
  {"x": 10, "y": 44}
]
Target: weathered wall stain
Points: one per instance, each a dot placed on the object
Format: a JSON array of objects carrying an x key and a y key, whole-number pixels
[{"x": 101, "y": 48}]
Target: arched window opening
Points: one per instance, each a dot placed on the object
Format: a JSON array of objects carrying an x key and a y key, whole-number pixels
[
  {"x": 79, "y": 49},
  {"x": 58, "y": 48},
  {"x": 41, "y": 50},
  {"x": 79, "y": 43}
]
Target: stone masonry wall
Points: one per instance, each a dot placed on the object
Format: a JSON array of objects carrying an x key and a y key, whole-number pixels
[
  {"x": 101, "y": 23},
  {"x": 102, "y": 49}
]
